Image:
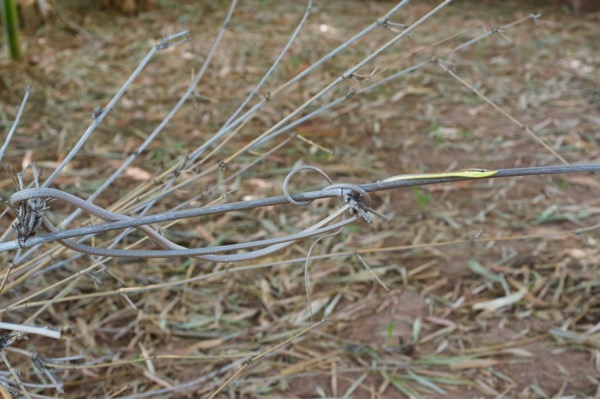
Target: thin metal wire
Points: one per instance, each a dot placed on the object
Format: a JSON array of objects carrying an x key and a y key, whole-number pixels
[
  {"x": 24, "y": 198},
  {"x": 275, "y": 244},
  {"x": 348, "y": 192}
]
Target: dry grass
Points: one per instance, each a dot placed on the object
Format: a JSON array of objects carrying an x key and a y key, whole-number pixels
[{"x": 433, "y": 332}]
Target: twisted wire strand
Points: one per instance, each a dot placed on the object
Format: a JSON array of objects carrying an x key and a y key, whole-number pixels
[
  {"x": 92, "y": 209},
  {"x": 206, "y": 253},
  {"x": 358, "y": 205},
  {"x": 174, "y": 250}
]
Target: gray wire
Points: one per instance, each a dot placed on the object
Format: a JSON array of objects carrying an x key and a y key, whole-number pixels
[
  {"x": 202, "y": 253},
  {"x": 271, "y": 201},
  {"x": 175, "y": 250},
  {"x": 286, "y": 183}
]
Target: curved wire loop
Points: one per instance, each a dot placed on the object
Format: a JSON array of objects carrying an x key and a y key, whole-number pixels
[
  {"x": 288, "y": 178},
  {"x": 353, "y": 195}
]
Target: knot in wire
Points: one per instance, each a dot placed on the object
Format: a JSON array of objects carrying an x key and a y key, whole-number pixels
[
  {"x": 382, "y": 22},
  {"x": 353, "y": 195},
  {"x": 29, "y": 212}
]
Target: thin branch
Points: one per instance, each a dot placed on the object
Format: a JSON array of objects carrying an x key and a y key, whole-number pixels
[
  {"x": 388, "y": 79},
  {"x": 45, "y": 331},
  {"x": 263, "y": 354},
  {"x": 13, "y": 128},
  {"x": 348, "y": 74},
  {"x": 380, "y": 22},
  {"x": 268, "y": 73},
  {"x": 164, "y": 43},
  {"x": 502, "y": 111}
]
